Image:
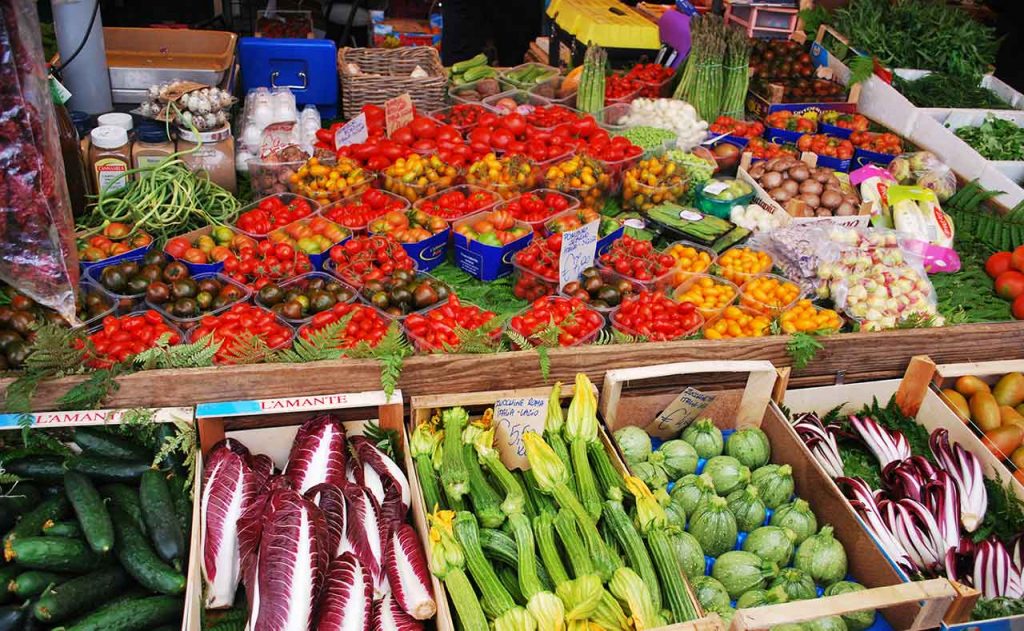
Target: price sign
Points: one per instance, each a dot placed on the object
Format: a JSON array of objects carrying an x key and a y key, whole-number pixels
[
  {"x": 684, "y": 409},
  {"x": 578, "y": 249},
  {"x": 513, "y": 419},
  {"x": 398, "y": 112},
  {"x": 352, "y": 132}
]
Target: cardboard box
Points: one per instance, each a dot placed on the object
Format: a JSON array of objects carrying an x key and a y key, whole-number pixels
[
  {"x": 915, "y": 398},
  {"x": 761, "y": 198},
  {"x": 400, "y": 32},
  {"x": 743, "y": 392},
  {"x": 191, "y": 620}
]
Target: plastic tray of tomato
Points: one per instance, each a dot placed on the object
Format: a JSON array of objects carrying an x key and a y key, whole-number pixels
[
  {"x": 457, "y": 202},
  {"x": 368, "y": 258},
  {"x": 235, "y": 327},
  {"x": 462, "y": 116},
  {"x": 119, "y": 338},
  {"x": 403, "y": 293},
  {"x": 655, "y": 80},
  {"x": 736, "y": 128},
  {"x": 255, "y": 266},
  {"x": 435, "y": 329},
  {"x": 547, "y": 117},
  {"x": 554, "y": 311},
  {"x": 185, "y": 301},
  {"x": 538, "y": 206},
  {"x": 116, "y": 242},
  {"x": 638, "y": 262},
  {"x": 600, "y": 289},
  {"x": 362, "y": 325},
  {"x": 299, "y": 299},
  {"x": 535, "y": 268},
  {"x": 313, "y": 237},
  {"x": 656, "y": 317},
  {"x": 356, "y": 212},
  {"x": 276, "y": 211}
]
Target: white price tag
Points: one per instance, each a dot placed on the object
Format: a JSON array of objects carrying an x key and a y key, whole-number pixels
[
  {"x": 684, "y": 409},
  {"x": 578, "y": 249},
  {"x": 352, "y": 132},
  {"x": 513, "y": 418}
]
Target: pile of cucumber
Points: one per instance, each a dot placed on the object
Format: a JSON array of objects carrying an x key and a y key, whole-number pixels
[
  {"x": 472, "y": 69},
  {"x": 94, "y": 541}
]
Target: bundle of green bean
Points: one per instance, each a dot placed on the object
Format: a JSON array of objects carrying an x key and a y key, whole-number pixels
[{"x": 165, "y": 199}]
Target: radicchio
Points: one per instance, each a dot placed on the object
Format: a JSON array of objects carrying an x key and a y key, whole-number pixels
[
  {"x": 407, "y": 573},
  {"x": 291, "y": 565},
  {"x": 388, "y": 616},
  {"x": 346, "y": 603},
  {"x": 370, "y": 456},
  {"x": 965, "y": 468},
  {"x": 331, "y": 501},
  {"x": 821, "y": 441},
  {"x": 887, "y": 446},
  {"x": 994, "y": 571},
  {"x": 318, "y": 453},
  {"x": 363, "y": 532},
  {"x": 229, "y": 486}
]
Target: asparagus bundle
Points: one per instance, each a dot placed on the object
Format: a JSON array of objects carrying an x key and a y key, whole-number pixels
[
  {"x": 715, "y": 79},
  {"x": 590, "y": 98},
  {"x": 736, "y": 74}
]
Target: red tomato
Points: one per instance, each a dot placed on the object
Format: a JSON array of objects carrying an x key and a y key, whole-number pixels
[
  {"x": 1010, "y": 284},
  {"x": 1018, "y": 307},
  {"x": 1017, "y": 258},
  {"x": 1000, "y": 262}
]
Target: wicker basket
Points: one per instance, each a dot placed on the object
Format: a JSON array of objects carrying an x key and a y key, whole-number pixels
[{"x": 386, "y": 75}]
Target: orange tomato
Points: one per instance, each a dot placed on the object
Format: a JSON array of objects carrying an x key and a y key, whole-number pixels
[{"x": 1002, "y": 441}]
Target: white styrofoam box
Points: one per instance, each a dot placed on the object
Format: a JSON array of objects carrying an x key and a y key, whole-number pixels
[
  {"x": 954, "y": 119},
  {"x": 884, "y": 104},
  {"x": 1012, "y": 97}
]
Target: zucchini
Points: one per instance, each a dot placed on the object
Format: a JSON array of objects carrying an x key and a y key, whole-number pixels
[
  {"x": 109, "y": 469},
  {"x": 19, "y": 499},
  {"x": 126, "y": 499},
  {"x": 141, "y": 562},
  {"x": 80, "y": 594},
  {"x": 461, "y": 67},
  {"x": 139, "y": 614},
  {"x": 58, "y": 554},
  {"x": 12, "y": 618},
  {"x": 7, "y": 574},
  {"x": 160, "y": 517},
  {"x": 62, "y": 529},
  {"x": 31, "y": 523},
  {"x": 34, "y": 582},
  {"x": 477, "y": 73},
  {"x": 97, "y": 441},
  {"x": 49, "y": 468},
  {"x": 91, "y": 511}
]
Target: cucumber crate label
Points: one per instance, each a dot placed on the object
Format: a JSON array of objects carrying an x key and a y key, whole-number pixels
[
  {"x": 684, "y": 409},
  {"x": 513, "y": 418},
  {"x": 93, "y": 417}
]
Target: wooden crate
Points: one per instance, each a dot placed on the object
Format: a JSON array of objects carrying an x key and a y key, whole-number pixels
[
  {"x": 81, "y": 418},
  {"x": 743, "y": 392},
  {"x": 915, "y": 398},
  {"x": 989, "y": 372},
  {"x": 268, "y": 426}
]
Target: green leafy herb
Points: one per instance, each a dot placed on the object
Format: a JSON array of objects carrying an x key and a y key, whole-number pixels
[
  {"x": 1000, "y": 607},
  {"x": 1004, "y": 516},
  {"x": 939, "y": 89},
  {"x": 995, "y": 139},
  {"x": 384, "y": 439},
  {"x": 802, "y": 348},
  {"x": 862, "y": 68}
]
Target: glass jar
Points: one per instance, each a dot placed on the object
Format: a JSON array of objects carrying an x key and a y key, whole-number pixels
[
  {"x": 215, "y": 155},
  {"x": 152, "y": 146},
  {"x": 109, "y": 157}
]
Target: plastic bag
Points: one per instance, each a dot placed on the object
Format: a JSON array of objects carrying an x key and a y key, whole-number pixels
[
  {"x": 799, "y": 250},
  {"x": 37, "y": 244},
  {"x": 924, "y": 168}
]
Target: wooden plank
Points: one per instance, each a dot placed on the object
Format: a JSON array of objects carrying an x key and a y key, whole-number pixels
[
  {"x": 914, "y": 385},
  {"x": 860, "y": 356}
]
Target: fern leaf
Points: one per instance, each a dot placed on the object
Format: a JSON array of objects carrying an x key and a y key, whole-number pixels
[
  {"x": 248, "y": 349},
  {"x": 58, "y": 351},
  {"x": 802, "y": 348},
  {"x": 324, "y": 344},
  {"x": 18, "y": 397},
  {"x": 183, "y": 445},
  {"x": 384, "y": 439},
  {"x": 89, "y": 394},
  {"x": 545, "y": 362},
  {"x": 198, "y": 354}
]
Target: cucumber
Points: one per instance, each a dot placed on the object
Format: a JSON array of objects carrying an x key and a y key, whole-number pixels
[
  {"x": 62, "y": 529},
  {"x": 109, "y": 469},
  {"x": 182, "y": 504},
  {"x": 80, "y": 594},
  {"x": 91, "y": 511},
  {"x": 20, "y": 499},
  {"x": 58, "y": 554},
  {"x": 479, "y": 59},
  {"x": 140, "y": 614},
  {"x": 97, "y": 441},
  {"x": 7, "y": 574},
  {"x": 31, "y": 523},
  {"x": 47, "y": 468},
  {"x": 125, "y": 498},
  {"x": 34, "y": 582},
  {"x": 12, "y": 618},
  {"x": 479, "y": 72},
  {"x": 141, "y": 562},
  {"x": 160, "y": 517}
]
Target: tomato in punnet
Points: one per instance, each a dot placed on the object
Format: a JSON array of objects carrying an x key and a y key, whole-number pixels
[
  {"x": 358, "y": 211},
  {"x": 540, "y": 259},
  {"x": 1018, "y": 307},
  {"x": 437, "y": 328},
  {"x": 761, "y": 149},
  {"x": 259, "y": 263},
  {"x": 791, "y": 121},
  {"x": 1010, "y": 284},
  {"x": 731, "y": 126},
  {"x": 1001, "y": 262},
  {"x": 125, "y": 336},
  {"x": 826, "y": 146},
  {"x": 656, "y": 317},
  {"x": 650, "y": 77},
  {"x": 619, "y": 88},
  {"x": 236, "y": 326},
  {"x": 364, "y": 324},
  {"x": 362, "y": 259},
  {"x": 273, "y": 212},
  {"x": 537, "y": 206},
  {"x": 879, "y": 143},
  {"x": 1017, "y": 258},
  {"x": 556, "y": 311},
  {"x": 611, "y": 149},
  {"x": 636, "y": 259},
  {"x": 549, "y": 116},
  {"x": 461, "y": 115},
  {"x": 457, "y": 203}
]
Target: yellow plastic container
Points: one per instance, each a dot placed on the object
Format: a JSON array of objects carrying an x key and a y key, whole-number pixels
[{"x": 608, "y": 23}]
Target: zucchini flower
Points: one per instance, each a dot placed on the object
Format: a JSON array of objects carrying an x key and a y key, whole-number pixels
[
  {"x": 580, "y": 430},
  {"x": 448, "y": 562},
  {"x": 547, "y": 468},
  {"x": 454, "y": 474},
  {"x": 581, "y": 597},
  {"x": 548, "y": 610},
  {"x": 649, "y": 513},
  {"x": 629, "y": 588},
  {"x": 515, "y": 619},
  {"x": 554, "y": 424},
  {"x": 423, "y": 446},
  {"x": 608, "y": 614}
]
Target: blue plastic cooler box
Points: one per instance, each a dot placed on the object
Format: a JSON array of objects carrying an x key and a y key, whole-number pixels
[{"x": 309, "y": 67}]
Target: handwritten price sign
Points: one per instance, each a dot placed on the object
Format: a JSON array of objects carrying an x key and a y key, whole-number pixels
[
  {"x": 513, "y": 418},
  {"x": 578, "y": 249},
  {"x": 352, "y": 132}
]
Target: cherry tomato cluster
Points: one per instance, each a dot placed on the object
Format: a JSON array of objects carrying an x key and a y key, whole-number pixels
[
  {"x": 540, "y": 262},
  {"x": 219, "y": 245},
  {"x": 362, "y": 259},
  {"x": 556, "y": 311},
  {"x": 513, "y": 135},
  {"x": 729, "y": 125},
  {"x": 610, "y": 148},
  {"x": 458, "y": 202},
  {"x": 620, "y": 89},
  {"x": 364, "y": 324},
  {"x": 408, "y": 226},
  {"x": 124, "y": 336},
  {"x": 549, "y": 116},
  {"x": 787, "y": 119},
  {"x": 358, "y": 211},
  {"x": 650, "y": 77},
  {"x": 273, "y": 212},
  {"x": 261, "y": 262},
  {"x": 761, "y": 149},
  {"x": 538, "y": 206},
  {"x": 656, "y": 317},
  {"x": 462, "y": 115},
  {"x": 436, "y": 329},
  {"x": 636, "y": 259},
  {"x": 879, "y": 143},
  {"x": 582, "y": 216},
  {"x": 235, "y": 326},
  {"x": 824, "y": 145},
  {"x": 310, "y": 236},
  {"x": 116, "y": 238},
  {"x": 495, "y": 228},
  {"x": 856, "y": 122}
]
